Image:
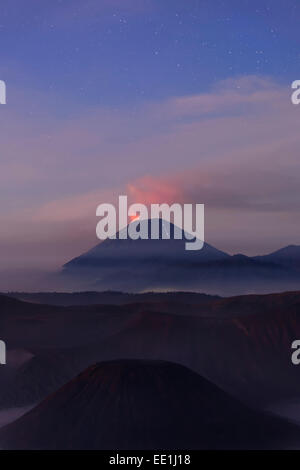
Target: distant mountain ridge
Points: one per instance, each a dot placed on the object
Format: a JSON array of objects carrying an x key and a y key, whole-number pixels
[
  {"x": 110, "y": 297},
  {"x": 287, "y": 256},
  {"x": 242, "y": 343},
  {"x": 141, "y": 265}
]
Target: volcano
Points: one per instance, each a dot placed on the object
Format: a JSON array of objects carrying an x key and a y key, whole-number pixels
[
  {"x": 132, "y": 404},
  {"x": 141, "y": 264},
  {"x": 169, "y": 250},
  {"x": 164, "y": 264}
]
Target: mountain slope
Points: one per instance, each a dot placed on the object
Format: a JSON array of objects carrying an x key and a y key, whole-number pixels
[
  {"x": 144, "y": 405},
  {"x": 287, "y": 256},
  {"x": 118, "y": 251}
]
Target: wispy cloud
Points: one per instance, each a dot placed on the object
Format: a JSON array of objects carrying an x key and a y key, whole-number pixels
[{"x": 234, "y": 149}]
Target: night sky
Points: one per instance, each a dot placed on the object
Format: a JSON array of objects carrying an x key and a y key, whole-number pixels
[
  {"x": 163, "y": 100},
  {"x": 124, "y": 52}
]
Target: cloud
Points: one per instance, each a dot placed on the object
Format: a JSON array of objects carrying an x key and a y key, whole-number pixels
[
  {"x": 228, "y": 97},
  {"x": 235, "y": 149}
]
